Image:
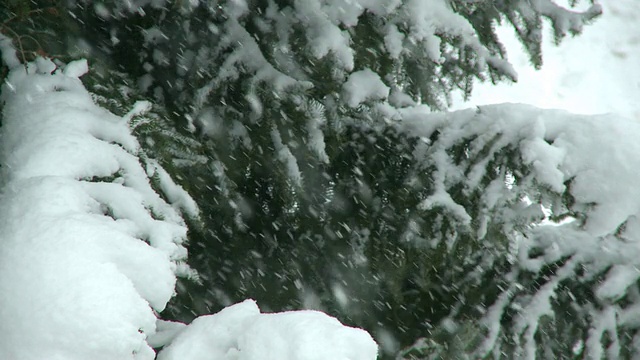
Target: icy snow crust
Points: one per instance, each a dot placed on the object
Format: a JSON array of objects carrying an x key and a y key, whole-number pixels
[{"x": 83, "y": 264}]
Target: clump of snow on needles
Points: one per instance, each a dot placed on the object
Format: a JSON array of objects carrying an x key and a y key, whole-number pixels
[
  {"x": 241, "y": 332},
  {"x": 83, "y": 263},
  {"x": 364, "y": 85}
]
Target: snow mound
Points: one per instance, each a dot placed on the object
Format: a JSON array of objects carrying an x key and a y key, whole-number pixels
[{"x": 241, "y": 332}]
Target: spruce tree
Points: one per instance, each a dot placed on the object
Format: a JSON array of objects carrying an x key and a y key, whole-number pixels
[{"x": 290, "y": 123}]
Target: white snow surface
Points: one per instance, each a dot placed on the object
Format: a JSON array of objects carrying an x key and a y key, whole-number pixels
[
  {"x": 74, "y": 69},
  {"x": 593, "y": 73},
  {"x": 241, "y": 332},
  {"x": 364, "y": 85},
  {"x": 597, "y": 155},
  {"x": 78, "y": 278},
  {"x": 287, "y": 158},
  {"x": 9, "y": 55}
]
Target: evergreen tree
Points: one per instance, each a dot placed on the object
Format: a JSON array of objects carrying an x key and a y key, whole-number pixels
[{"x": 304, "y": 131}]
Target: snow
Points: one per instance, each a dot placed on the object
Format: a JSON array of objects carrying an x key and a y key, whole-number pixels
[
  {"x": 133, "y": 6},
  {"x": 592, "y": 73},
  {"x": 323, "y": 35},
  {"x": 559, "y": 146},
  {"x": 102, "y": 11},
  {"x": 241, "y": 332},
  {"x": 540, "y": 154},
  {"x": 90, "y": 251},
  {"x": 64, "y": 292},
  {"x": 618, "y": 279},
  {"x": 154, "y": 35},
  {"x": 596, "y": 155},
  {"x": 393, "y": 41},
  {"x": 45, "y": 66},
  {"x": 286, "y": 157},
  {"x": 246, "y": 54},
  {"x": 364, "y": 85},
  {"x": 9, "y": 56},
  {"x": 429, "y": 20},
  {"x": 315, "y": 112},
  {"x": 565, "y": 22},
  {"x": 166, "y": 331},
  {"x": 139, "y": 108},
  {"x": 176, "y": 195},
  {"x": 75, "y": 68},
  {"x": 604, "y": 322},
  {"x": 442, "y": 198},
  {"x": 84, "y": 264}
]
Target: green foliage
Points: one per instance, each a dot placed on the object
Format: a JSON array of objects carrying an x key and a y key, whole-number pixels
[
  {"x": 160, "y": 140},
  {"x": 352, "y": 227},
  {"x": 35, "y": 28},
  {"x": 306, "y": 201}
]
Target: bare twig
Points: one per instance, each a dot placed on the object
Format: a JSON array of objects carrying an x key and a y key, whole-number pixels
[
  {"x": 50, "y": 9},
  {"x": 17, "y": 38}
]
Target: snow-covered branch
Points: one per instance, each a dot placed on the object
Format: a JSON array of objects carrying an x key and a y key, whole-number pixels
[
  {"x": 561, "y": 188},
  {"x": 90, "y": 252}
]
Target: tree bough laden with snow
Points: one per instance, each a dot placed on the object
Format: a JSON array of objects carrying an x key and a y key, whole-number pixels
[
  {"x": 291, "y": 97},
  {"x": 234, "y": 52},
  {"x": 314, "y": 146},
  {"x": 567, "y": 283},
  {"x": 90, "y": 252}
]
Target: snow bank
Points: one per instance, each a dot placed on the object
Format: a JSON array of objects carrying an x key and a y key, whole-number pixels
[
  {"x": 84, "y": 260},
  {"x": 241, "y": 332}
]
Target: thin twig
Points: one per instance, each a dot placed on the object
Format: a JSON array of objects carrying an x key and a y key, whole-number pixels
[
  {"x": 28, "y": 14},
  {"x": 17, "y": 37},
  {"x": 34, "y": 40}
]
